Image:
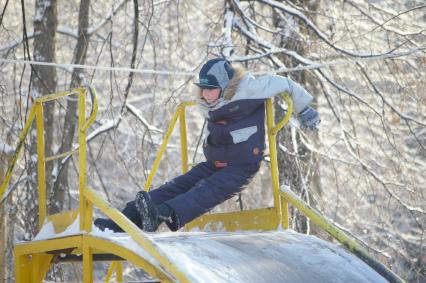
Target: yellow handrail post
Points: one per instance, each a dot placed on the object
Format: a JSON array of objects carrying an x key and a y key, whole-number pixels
[
  {"x": 161, "y": 151},
  {"x": 41, "y": 165},
  {"x": 287, "y": 116},
  {"x": 118, "y": 268},
  {"x": 119, "y": 272},
  {"x": 110, "y": 270},
  {"x": 183, "y": 139},
  {"x": 85, "y": 206},
  {"x": 87, "y": 264},
  {"x": 40, "y": 264},
  {"x": 94, "y": 112},
  {"x": 179, "y": 114},
  {"x": 22, "y": 269},
  {"x": 273, "y": 157},
  {"x": 280, "y": 204}
]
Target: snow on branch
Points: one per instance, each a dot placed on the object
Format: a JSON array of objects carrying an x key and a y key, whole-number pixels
[
  {"x": 5, "y": 148},
  {"x": 138, "y": 115},
  {"x": 271, "y": 48},
  {"x": 227, "y": 34},
  {"x": 382, "y": 25},
  {"x": 317, "y": 31},
  {"x": 13, "y": 187},
  {"x": 17, "y": 41},
  {"x": 105, "y": 127},
  {"x": 320, "y": 65},
  {"x": 30, "y": 35},
  {"x": 249, "y": 21},
  {"x": 68, "y": 31}
]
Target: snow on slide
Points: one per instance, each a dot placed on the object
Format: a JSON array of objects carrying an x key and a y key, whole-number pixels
[{"x": 275, "y": 256}]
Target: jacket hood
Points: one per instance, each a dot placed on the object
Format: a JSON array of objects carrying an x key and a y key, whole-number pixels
[{"x": 233, "y": 84}]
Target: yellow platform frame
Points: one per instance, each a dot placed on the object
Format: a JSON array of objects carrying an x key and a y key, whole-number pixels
[{"x": 33, "y": 259}]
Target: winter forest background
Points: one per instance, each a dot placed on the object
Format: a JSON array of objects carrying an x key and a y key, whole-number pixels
[{"x": 363, "y": 61}]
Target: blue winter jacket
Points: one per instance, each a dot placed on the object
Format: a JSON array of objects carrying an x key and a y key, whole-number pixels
[
  {"x": 236, "y": 133},
  {"x": 236, "y": 124}
]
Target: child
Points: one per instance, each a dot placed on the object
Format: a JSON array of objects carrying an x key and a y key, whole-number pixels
[{"x": 233, "y": 102}]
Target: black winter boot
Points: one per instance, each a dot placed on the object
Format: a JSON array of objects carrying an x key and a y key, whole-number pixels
[
  {"x": 153, "y": 215},
  {"x": 129, "y": 211},
  {"x": 168, "y": 215},
  {"x": 148, "y": 212}
]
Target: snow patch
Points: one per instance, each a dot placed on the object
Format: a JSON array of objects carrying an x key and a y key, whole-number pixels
[
  {"x": 34, "y": 158},
  {"x": 125, "y": 241},
  {"x": 48, "y": 231},
  {"x": 40, "y": 10},
  {"x": 5, "y": 148}
]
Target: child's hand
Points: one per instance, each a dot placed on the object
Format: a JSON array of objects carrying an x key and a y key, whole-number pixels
[{"x": 309, "y": 118}]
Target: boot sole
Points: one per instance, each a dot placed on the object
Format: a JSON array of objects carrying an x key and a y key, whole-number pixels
[{"x": 147, "y": 211}]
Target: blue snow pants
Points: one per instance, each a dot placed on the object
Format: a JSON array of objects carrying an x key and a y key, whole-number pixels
[{"x": 202, "y": 188}]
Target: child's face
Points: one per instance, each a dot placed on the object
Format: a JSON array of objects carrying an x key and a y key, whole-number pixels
[{"x": 211, "y": 95}]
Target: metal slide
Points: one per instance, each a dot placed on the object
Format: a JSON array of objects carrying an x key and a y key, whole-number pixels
[
  {"x": 278, "y": 256},
  {"x": 274, "y": 256}
]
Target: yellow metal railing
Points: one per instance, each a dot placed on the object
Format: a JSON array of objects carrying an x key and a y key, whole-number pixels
[
  {"x": 338, "y": 234},
  {"x": 270, "y": 217},
  {"x": 37, "y": 113},
  {"x": 280, "y": 206},
  {"x": 15, "y": 156},
  {"x": 88, "y": 197},
  {"x": 118, "y": 268},
  {"x": 85, "y": 206},
  {"x": 179, "y": 115}
]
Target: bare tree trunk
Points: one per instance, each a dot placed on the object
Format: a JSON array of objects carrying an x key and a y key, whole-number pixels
[
  {"x": 61, "y": 184},
  {"x": 299, "y": 168},
  {"x": 43, "y": 83}
]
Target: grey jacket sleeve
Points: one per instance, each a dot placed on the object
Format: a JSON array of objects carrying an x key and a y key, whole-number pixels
[{"x": 270, "y": 85}]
